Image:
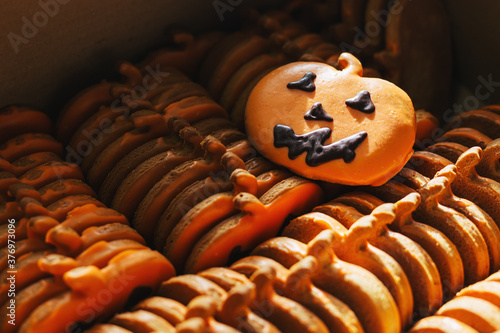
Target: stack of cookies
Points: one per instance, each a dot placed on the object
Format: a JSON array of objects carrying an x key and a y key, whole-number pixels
[
  {"x": 353, "y": 264},
  {"x": 473, "y": 309},
  {"x": 66, "y": 258}
]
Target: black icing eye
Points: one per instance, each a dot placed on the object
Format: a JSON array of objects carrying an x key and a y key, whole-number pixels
[
  {"x": 317, "y": 113},
  {"x": 304, "y": 84},
  {"x": 361, "y": 102}
]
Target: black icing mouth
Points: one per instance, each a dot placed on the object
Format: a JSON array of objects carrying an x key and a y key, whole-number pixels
[{"x": 312, "y": 143}]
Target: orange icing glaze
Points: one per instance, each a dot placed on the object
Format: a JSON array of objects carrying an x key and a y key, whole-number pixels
[{"x": 391, "y": 127}]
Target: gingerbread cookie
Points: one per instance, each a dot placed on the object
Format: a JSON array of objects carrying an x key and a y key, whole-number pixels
[{"x": 332, "y": 125}]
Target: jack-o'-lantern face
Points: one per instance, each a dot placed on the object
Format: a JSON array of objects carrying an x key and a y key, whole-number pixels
[{"x": 332, "y": 125}]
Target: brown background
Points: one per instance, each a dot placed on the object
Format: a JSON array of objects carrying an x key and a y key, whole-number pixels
[
  {"x": 476, "y": 37},
  {"x": 81, "y": 42}
]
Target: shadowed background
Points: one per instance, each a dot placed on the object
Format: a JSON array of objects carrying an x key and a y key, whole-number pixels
[{"x": 52, "y": 49}]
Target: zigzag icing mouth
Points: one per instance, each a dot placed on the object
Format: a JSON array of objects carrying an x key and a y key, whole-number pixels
[{"x": 312, "y": 144}]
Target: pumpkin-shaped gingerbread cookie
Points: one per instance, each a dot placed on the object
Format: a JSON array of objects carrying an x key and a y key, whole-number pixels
[{"x": 332, "y": 125}]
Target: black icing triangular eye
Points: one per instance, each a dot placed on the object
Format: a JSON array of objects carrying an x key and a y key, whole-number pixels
[
  {"x": 305, "y": 84},
  {"x": 317, "y": 113},
  {"x": 361, "y": 102}
]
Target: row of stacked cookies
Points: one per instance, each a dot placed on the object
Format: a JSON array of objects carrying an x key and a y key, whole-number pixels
[
  {"x": 468, "y": 129},
  {"x": 469, "y": 229},
  {"x": 380, "y": 263},
  {"x": 258, "y": 294},
  {"x": 31, "y": 144},
  {"x": 91, "y": 248},
  {"x": 66, "y": 259},
  {"x": 477, "y": 176},
  {"x": 113, "y": 128},
  {"x": 487, "y": 231},
  {"x": 72, "y": 230},
  {"x": 175, "y": 182},
  {"x": 280, "y": 194},
  {"x": 218, "y": 71},
  {"x": 474, "y": 309},
  {"x": 254, "y": 205},
  {"x": 470, "y": 141},
  {"x": 264, "y": 200}
]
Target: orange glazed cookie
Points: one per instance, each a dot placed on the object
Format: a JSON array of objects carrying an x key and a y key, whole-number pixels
[
  {"x": 332, "y": 125},
  {"x": 19, "y": 119}
]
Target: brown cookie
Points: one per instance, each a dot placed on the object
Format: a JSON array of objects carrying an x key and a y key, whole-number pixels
[
  {"x": 93, "y": 127},
  {"x": 100, "y": 253},
  {"x": 441, "y": 324},
  {"x": 466, "y": 136},
  {"x": 238, "y": 55},
  {"x": 28, "y": 162},
  {"x": 287, "y": 315},
  {"x": 109, "y": 232},
  {"x": 120, "y": 126},
  {"x": 156, "y": 201},
  {"x": 237, "y": 113},
  {"x": 184, "y": 288},
  {"x": 235, "y": 311},
  {"x": 29, "y": 143},
  {"x": 486, "y": 225},
  {"x": 245, "y": 74},
  {"x": 211, "y": 211},
  {"x": 177, "y": 92},
  {"x": 142, "y": 321},
  {"x": 188, "y": 57},
  {"x": 474, "y": 312},
  {"x": 128, "y": 163},
  {"x": 483, "y": 191},
  {"x": 27, "y": 270},
  {"x": 487, "y": 167},
  {"x": 65, "y": 236},
  {"x": 484, "y": 121},
  {"x": 457, "y": 227},
  {"x": 449, "y": 150},
  {"x": 146, "y": 128},
  {"x": 167, "y": 308},
  {"x": 260, "y": 219},
  {"x": 16, "y": 120},
  {"x": 49, "y": 172},
  {"x": 213, "y": 57},
  {"x": 24, "y": 246},
  {"x": 81, "y": 107},
  {"x": 365, "y": 294},
  {"x": 6, "y": 180},
  {"x": 59, "y": 209},
  {"x": 194, "y": 109},
  {"x": 427, "y": 163},
  {"x": 29, "y": 298},
  {"x": 62, "y": 188},
  {"x": 138, "y": 183}
]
